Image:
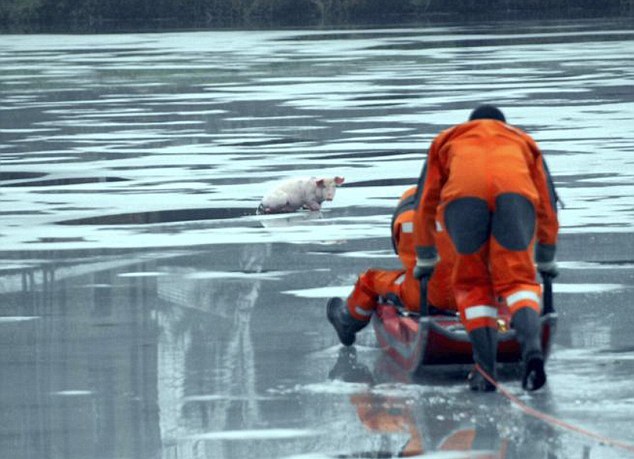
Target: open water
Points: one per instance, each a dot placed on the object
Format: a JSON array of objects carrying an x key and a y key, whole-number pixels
[{"x": 147, "y": 312}]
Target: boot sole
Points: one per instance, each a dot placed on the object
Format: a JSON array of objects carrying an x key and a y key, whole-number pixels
[
  {"x": 534, "y": 374},
  {"x": 346, "y": 339}
]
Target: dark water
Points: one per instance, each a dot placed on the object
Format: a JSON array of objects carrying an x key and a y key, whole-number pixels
[{"x": 147, "y": 312}]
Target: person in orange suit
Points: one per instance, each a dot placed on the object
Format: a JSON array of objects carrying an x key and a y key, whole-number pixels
[
  {"x": 398, "y": 286},
  {"x": 486, "y": 185}
]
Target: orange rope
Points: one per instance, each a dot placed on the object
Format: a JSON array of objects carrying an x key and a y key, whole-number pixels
[{"x": 552, "y": 420}]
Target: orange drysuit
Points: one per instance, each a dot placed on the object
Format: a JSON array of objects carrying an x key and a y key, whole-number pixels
[
  {"x": 400, "y": 285},
  {"x": 485, "y": 185}
]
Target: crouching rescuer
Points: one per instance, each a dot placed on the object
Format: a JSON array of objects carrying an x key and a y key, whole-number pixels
[
  {"x": 486, "y": 185},
  {"x": 397, "y": 286}
]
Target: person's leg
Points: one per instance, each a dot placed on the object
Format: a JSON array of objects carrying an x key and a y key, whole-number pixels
[
  {"x": 514, "y": 277},
  {"x": 526, "y": 323},
  {"x": 350, "y": 316},
  {"x": 439, "y": 289},
  {"x": 344, "y": 324},
  {"x": 468, "y": 222},
  {"x": 478, "y": 311}
]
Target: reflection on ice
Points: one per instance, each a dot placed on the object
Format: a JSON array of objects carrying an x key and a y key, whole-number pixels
[
  {"x": 142, "y": 274},
  {"x": 227, "y": 301},
  {"x": 216, "y": 398},
  {"x": 270, "y": 275}
]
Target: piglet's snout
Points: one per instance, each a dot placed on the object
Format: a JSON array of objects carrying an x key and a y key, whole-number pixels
[{"x": 329, "y": 194}]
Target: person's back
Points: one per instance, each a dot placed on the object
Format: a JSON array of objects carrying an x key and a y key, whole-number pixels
[{"x": 484, "y": 157}]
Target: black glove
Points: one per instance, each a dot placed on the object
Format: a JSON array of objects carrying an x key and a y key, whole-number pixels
[
  {"x": 548, "y": 268},
  {"x": 424, "y": 267},
  {"x": 545, "y": 258}
]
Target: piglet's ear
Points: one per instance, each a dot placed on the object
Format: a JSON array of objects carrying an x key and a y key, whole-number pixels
[
  {"x": 320, "y": 183},
  {"x": 338, "y": 180}
]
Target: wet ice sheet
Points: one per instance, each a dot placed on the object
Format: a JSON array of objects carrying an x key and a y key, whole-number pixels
[
  {"x": 242, "y": 435},
  {"x": 587, "y": 288},
  {"x": 601, "y": 266},
  {"x": 13, "y": 319},
  {"x": 181, "y": 120},
  {"x": 322, "y": 292},
  {"x": 220, "y": 364}
]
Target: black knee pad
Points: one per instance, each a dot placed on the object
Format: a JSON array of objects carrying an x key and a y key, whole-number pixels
[
  {"x": 468, "y": 223},
  {"x": 514, "y": 220}
]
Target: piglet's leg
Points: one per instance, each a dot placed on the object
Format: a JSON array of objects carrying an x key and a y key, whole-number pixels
[{"x": 313, "y": 205}]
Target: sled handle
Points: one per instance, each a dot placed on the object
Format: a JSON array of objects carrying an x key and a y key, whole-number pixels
[
  {"x": 424, "y": 307},
  {"x": 549, "y": 308}
]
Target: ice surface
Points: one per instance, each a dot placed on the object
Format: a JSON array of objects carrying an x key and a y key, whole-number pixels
[
  {"x": 203, "y": 122},
  {"x": 12, "y": 319}
]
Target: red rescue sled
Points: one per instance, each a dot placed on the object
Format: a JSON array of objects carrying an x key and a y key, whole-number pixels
[{"x": 418, "y": 340}]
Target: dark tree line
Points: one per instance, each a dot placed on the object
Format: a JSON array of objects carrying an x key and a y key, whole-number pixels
[{"x": 108, "y": 15}]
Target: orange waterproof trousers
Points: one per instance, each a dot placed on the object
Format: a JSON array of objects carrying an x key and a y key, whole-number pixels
[
  {"x": 400, "y": 285},
  {"x": 490, "y": 272}
]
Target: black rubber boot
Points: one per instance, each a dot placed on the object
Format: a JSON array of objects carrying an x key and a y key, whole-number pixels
[
  {"x": 345, "y": 325},
  {"x": 485, "y": 345},
  {"x": 527, "y": 328}
]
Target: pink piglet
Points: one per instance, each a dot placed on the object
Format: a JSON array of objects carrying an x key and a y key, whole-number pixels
[{"x": 299, "y": 192}]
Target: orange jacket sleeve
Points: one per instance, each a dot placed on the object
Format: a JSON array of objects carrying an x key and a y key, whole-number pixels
[
  {"x": 402, "y": 229},
  {"x": 428, "y": 196},
  {"x": 405, "y": 204},
  {"x": 547, "y": 220}
]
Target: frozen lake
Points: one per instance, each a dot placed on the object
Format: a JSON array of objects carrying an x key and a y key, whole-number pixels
[{"x": 147, "y": 312}]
